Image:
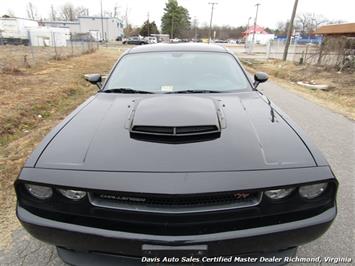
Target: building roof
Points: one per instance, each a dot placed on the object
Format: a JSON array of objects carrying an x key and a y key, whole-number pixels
[
  {"x": 77, "y": 21},
  {"x": 97, "y": 17},
  {"x": 60, "y": 22},
  {"x": 14, "y": 18},
  {"x": 258, "y": 29},
  {"x": 334, "y": 29},
  {"x": 177, "y": 47}
]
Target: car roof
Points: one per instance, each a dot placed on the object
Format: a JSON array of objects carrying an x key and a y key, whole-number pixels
[{"x": 177, "y": 47}]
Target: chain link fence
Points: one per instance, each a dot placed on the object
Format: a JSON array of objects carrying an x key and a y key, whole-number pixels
[
  {"x": 14, "y": 57},
  {"x": 332, "y": 52},
  {"x": 301, "y": 53},
  {"x": 338, "y": 52}
]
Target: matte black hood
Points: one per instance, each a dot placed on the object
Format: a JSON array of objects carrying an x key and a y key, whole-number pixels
[
  {"x": 252, "y": 136},
  {"x": 175, "y": 111}
]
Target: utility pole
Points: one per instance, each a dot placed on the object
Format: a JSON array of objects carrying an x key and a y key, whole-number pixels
[
  {"x": 254, "y": 29},
  {"x": 148, "y": 26},
  {"x": 246, "y": 36},
  {"x": 290, "y": 29},
  {"x": 172, "y": 26},
  {"x": 125, "y": 31},
  {"x": 102, "y": 23},
  {"x": 115, "y": 13},
  {"x": 53, "y": 15},
  {"x": 210, "y": 31},
  {"x": 195, "y": 27},
  {"x": 248, "y": 22}
]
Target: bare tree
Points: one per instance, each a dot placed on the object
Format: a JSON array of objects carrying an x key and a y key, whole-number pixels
[
  {"x": 10, "y": 13},
  {"x": 281, "y": 27},
  {"x": 303, "y": 23},
  {"x": 337, "y": 21},
  {"x": 127, "y": 27},
  {"x": 129, "y": 30},
  {"x": 307, "y": 23},
  {"x": 81, "y": 11},
  {"x": 67, "y": 12},
  {"x": 31, "y": 11},
  {"x": 117, "y": 11},
  {"x": 107, "y": 13},
  {"x": 318, "y": 20},
  {"x": 53, "y": 14}
]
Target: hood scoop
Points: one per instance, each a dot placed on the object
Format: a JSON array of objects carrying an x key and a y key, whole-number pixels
[{"x": 176, "y": 119}]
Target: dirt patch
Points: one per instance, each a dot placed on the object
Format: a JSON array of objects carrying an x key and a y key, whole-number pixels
[
  {"x": 30, "y": 105},
  {"x": 340, "y": 96}
]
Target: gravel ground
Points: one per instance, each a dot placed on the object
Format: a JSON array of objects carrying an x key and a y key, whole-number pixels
[{"x": 331, "y": 132}]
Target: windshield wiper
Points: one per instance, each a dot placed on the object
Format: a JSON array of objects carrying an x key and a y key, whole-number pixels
[
  {"x": 195, "y": 91},
  {"x": 125, "y": 90}
]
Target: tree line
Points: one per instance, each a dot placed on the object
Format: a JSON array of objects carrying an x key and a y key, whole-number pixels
[
  {"x": 66, "y": 12},
  {"x": 176, "y": 22}
]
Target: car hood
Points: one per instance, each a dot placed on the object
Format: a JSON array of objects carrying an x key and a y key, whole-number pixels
[{"x": 253, "y": 136}]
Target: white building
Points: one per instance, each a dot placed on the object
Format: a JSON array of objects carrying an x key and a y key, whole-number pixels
[
  {"x": 49, "y": 36},
  {"x": 260, "y": 35},
  {"x": 259, "y": 38},
  {"x": 73, "y": 26},
  {"x": 16, "y": 28},
  {"x": 112, "y": 27},
  {"x": 105, "y": 28},
  {"x": 27, "y": 31}
]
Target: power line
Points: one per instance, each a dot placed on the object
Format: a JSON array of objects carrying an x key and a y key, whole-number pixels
[{"x": 210, "y": 31}]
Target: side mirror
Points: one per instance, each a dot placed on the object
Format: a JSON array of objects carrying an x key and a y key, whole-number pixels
[
  {"x": 260, "y": 77},
  {"x": 94, "y": 79}
]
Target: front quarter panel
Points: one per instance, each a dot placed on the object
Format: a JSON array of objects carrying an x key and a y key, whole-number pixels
[
  {"x": 316, "y": 153},
  {"x": 33, "y": 158}
]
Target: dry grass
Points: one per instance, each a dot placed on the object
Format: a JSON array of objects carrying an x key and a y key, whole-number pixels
[
  {"x": 340, "y": 97},
  {"x": 31, "y": 103},
  {"x": 19, "y": 56}
]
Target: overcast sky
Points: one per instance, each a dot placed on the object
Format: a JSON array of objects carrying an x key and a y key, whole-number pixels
[{"x": 227, "y": 12}]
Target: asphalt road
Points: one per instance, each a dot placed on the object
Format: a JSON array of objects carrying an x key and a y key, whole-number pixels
[
  {"x": 331, "y": 132},
  {"x": 334, "y": 135}
]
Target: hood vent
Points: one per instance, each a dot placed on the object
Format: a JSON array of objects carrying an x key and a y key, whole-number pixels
[
  {"x": 186, "y": 134},
  {"x": 190, "y": 130},
  {"x": 175, "y": 119}
]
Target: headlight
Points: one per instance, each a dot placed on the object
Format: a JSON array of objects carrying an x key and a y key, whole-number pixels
[
  {"x": 40, "y": 192},
  {"x": 312, "y": 191},
  {"x": 72, "y": 194},
  {"x": 279, "y": 193}
]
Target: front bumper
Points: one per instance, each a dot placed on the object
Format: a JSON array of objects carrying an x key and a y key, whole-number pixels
[
  {"x": 248, "y": 241},
  {"x": 83, "y": 259}
]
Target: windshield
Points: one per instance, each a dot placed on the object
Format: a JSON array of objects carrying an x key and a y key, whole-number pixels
[{"x": 178, "y": 71}]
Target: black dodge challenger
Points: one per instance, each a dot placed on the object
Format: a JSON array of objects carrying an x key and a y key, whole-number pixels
[{"x": 178, "y": 156}]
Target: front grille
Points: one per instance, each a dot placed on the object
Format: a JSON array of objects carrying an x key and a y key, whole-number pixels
[{"x": 164, "y": 203}]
